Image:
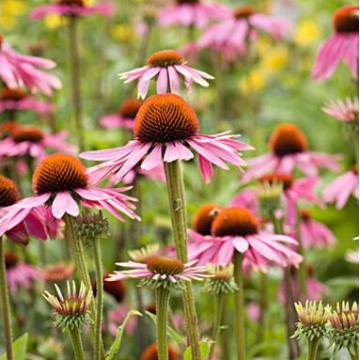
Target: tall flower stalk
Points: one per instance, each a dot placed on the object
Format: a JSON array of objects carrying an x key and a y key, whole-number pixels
[
  {"x": 162, "y": 296},
  {"x": 177, "y": 206},
  {"x": 5, "y": 304}
]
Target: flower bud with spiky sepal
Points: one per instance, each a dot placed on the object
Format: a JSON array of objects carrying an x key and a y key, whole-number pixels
[
  {"x": 143, "y": 254},
  {"x": 269, "y": 196},
  {"x": 313, "y": 317},
  {"x": 71, "y": 311},
  {"x": 344, "y": 330},
  {"x": 221, "y": 280},
  {"x": 90, "y": 227}
]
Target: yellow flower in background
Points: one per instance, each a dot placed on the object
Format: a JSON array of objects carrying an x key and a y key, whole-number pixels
[
  {"x": 255, "y": 81},
  {"x": 53, "y": 21},
  {"x": 9, "y": 10},
  {"x": 89, "y": 2},
  {"x": 307, "y": 32},
  {"x": 275, "y": 59},
  {"x": 123, "y": 33}
]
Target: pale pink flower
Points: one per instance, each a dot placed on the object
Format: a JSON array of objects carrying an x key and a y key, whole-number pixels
[
  {"x": 192, "y": 13},
  {"x": 124, "y": 117},
  {"x": 254, "y": 311},
  {"x": 33, "y": 142},
  {"x": 166, "y": 67},
  {"x": 165, "y": 130},
  {"x": 343, "y": 45},
  {"x": 352, "y": 256},
  {"x": 315, "y": 289},
  {"x": 116, "y": 318},
  {"x": 313, "y": 233},
  {"x": 18, "y": 71},
  {"x": 289, "y": 150},
  {"x": 16, "y": 99},
  {"x": 72, "y": 8},
  {"x": 340, "y": 190},
  {"x": 156, "y": 174},
  {"x": 230, "y": 35},
  {"x": 38, "y": 223},
  {"x": 237, "y": 229},
  {"x": 60, "y": 182},
  {"x": 343, "y": 110},
  {"x": 19, "y": 274}
]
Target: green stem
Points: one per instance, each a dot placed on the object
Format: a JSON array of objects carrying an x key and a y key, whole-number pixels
[
  {"x": 239, "y": 307},
  {"x": 302, "y": 272},
  {"x": 219, "y": 91},
  {"x": 225, "y": 344},
  {"x": 5, "y": 304},
  {"x": 264, "y": 301},
  {"x": 99, "y": 299},
  {"x": 176, "y": 195},
  {"x": 77, "y": 344},
  {"x": 162, "y": 303},
  {"x": 218, "y": 314},
  {"x": 75, "y": 79},
  {"x": 312, "y": 348},
  {"x": 354, "y": 355}
]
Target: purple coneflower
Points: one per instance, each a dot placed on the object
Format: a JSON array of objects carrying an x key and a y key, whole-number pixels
[{"x": 343, "y": 110}]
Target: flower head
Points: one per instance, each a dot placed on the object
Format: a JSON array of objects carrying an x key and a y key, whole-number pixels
[
  {"x": 165, "y": 130},
  {"x": 143, "y": 254},
  {"x": 346, "y": 110},
  {"x": 221, "y": 280},
  {"x": 160, "y": 271},
  {"x": 342, "y": 45},
  {"x": 165, "y": 66},
  {"x": 117, "y": 289},
  {"x": 150, "y": 353},
  {"x": 204, "y": 218},
  {"x": 313, "y": 317},
  {"x": 289, "y": 150},
  {"x": 344, "y": 331},
  {"x": 9, "y": 193},
  {"x": 72, "y": 8},
  {"x": 57, "y": 272},
  {"x": 125, "y": 116},
  {"x": 72, "y": 310},
  {"x": 26, "y": 71}
]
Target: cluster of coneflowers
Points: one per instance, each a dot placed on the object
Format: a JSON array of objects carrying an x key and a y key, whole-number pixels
[{"x": 266, "y": 226}]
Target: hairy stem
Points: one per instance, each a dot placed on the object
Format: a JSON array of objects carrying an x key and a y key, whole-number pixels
[
  {"x": 239, "y": 307},
  {"x": 264, "y": 301},
  {"x": 176, "y": 195},
  {"x": 5, "y": 304},
  {"x": 77, "y": 344},
  {"x": 75, "y": 79},
  {"x": 162, "y": 303},
  {"x": 218, "y": 315}
]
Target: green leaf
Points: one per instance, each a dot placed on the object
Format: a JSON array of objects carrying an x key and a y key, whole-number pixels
[
  {"x": 179, "y": 339},
  {"x": 204, "y": 350},
  {"x": 19, "y": 347},
  {"x": 115, "y": 346},
  {"x": 344, "y": 281}
]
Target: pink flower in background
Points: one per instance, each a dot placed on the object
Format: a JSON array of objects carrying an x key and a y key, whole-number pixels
[
  {"x": 313, "y": 233},
  {"x": 18, "y": 71},
  {"x": 60, "y": 182},
  {"x": 237, "y": 229},
  {"x": 315, "y": 289},
  {"x": 72, "y": 8},
  {"x": 165, "y": 66},
  {"x": 254, "y": 311},
  {"x": 246, "y": 199},
  {"x": 343, "y": 110},
  {"x": 33, "y": 142},
  {"x": 19, "y": 274},
  {"x": 156, "y": 174},
  {"x": 116, "y": 318},
  {"x": 192, "y": 13},
  {"x": 343, "y": 45},
  {"x": 38, "y": 223},
  {"x": 340, "y": 190},
  {"x": 124, "y": 117},
  {"x": 352, "y": 256},
  {"x": 229, "y": 36},
  {"x": 289, "y": 150},
  {"x": 166, "y": 128},
  {"x": 16, "y": 99}
]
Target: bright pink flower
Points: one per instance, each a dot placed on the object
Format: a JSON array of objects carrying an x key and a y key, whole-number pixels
[
  {"x": 166, "y": 128},
  {"x": 16, "y": 99},
  {"x": 124, "y": 117},
  {"x": 165, "y": 66},
  {"x": 38, "y": 223},
  {"x": 192, "y": 13},
  {"x": 72, "y": 8},
  {"x": 230, "y": 35},
  {"x": 339, "y": 190},
  {"x": 18, "y": 71},
  {"x": 116, "y": 318},
  {"x": 313, "y": 233},
  {"x": 344, "y": 110},
  {"x": 343, "y": 45},
  {"x": 33, "y": 142},
  {"x": 289, "y": 150},
  {"x": 315, "y": 289},
  {"x": 19, "y": 274},
  {"x": 237, "y": 229},
  {"x": 60, "y": 182}
]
